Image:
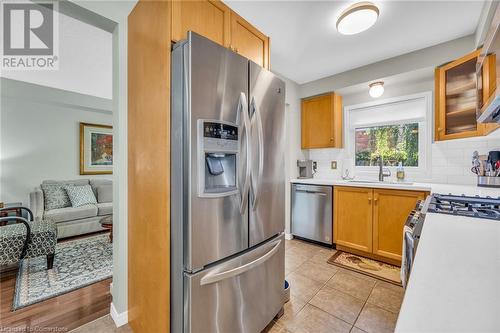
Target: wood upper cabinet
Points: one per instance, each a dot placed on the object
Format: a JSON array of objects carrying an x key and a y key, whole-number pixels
[
  {"x": 489, "y": 84},
  {"x": 216, "y": 21},
  {"x": 456, "y": 97},
  {"x": 207, "y": 18},
  {"x": 322, "y": 121},
  {"x": 390, "y": 210},
  {"x": 352, "y": 225},
  {"x": 248, "y": 41}
]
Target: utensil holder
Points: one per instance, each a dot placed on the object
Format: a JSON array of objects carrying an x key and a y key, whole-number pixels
[{"x": 487, "y": 181}]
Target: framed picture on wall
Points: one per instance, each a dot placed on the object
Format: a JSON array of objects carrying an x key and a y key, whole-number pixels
[{"x": 96, "y": 149}]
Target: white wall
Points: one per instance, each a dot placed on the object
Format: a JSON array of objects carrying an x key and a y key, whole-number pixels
[
  {"x": 117, "y": 11},
  {"x": 292, "y": 141},
  {"x": 40, "y": 136},
  {"x": 85, "y": 61}
]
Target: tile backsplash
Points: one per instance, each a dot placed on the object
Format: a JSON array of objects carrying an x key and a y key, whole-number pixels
[{"x": 450, "y": 160}]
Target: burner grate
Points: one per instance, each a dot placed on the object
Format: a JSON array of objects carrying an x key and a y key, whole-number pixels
[{"x": 488, "y": 208}]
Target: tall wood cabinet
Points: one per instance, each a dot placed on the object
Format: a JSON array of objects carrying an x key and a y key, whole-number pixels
[
  {"x": 216, "y": 21},
  {"x": 321, "y": 121},
  {"x": 369, "y": 221},
  {"x": 456, "y": 97}
]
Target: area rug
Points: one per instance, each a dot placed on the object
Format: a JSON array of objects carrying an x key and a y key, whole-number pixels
[
  {"x": 78, "y": 263},
  {"x": 376, "y": 269}
]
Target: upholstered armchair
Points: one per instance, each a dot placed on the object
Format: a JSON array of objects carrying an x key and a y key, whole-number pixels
[{"x": 30, "y": 238}]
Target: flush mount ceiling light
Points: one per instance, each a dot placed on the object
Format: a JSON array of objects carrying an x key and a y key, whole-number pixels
[
  {"x": 357, "y": 18},
  {"x": 376, "y": 89}
]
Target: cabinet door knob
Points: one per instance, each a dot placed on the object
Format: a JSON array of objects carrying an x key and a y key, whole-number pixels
[
  {"x": 369, "y": 200},
  {"x": 440, "y": 129},
  {"x": 331, "y": 139}
]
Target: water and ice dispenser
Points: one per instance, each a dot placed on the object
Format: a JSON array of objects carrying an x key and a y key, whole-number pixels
[{"x": 218, "y": 158}]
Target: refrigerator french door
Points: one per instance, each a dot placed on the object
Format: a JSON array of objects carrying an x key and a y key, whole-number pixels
[{"x": 227, "y": 190}]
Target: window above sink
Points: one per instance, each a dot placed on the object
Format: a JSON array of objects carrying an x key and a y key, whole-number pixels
[
  {"x": 398, "y": 128},
  {"x": 395, "y": 143}
]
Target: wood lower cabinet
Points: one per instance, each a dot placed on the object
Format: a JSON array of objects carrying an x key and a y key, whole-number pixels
[
  {"x": 248, "y": 41},
  {"x": 216, "y": 21},
  {"x": 321, "y": 119},
  {"x": 390, "y": 210},
  {"x": 207, "y": 18},
  {"x": 369, "y": 221},
  {"x": 353, "y": 217}
]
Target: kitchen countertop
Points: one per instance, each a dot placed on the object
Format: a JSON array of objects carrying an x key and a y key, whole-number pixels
[
  {"x": 431, "y": 187},
  {"x": 455, "y": 280}
]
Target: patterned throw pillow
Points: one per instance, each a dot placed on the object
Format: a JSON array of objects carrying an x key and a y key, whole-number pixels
[
  {"x": 55, "y": 196},
  {"x": 80, "y": 195}
]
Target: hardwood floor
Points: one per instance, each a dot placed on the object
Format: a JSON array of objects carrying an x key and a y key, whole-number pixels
[
  {"x": 59, "y": 314},
  {"x": 62, "y": 313}
]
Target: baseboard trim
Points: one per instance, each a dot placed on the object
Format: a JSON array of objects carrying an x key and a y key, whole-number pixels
[
  {"x": 288, "y": 236},
  {"x": 120, "y": 319}
]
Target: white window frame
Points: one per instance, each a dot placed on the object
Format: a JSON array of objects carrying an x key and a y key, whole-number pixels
[{"x": 424, "y": 136}]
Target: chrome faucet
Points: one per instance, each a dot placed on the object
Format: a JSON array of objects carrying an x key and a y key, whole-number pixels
[{"x": 382, "y": 172}]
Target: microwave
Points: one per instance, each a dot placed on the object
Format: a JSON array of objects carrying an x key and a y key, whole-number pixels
[{"x": 488, "y": 109}]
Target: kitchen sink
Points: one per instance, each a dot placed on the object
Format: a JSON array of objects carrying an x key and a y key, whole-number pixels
[{"x": 379, "y": 182}]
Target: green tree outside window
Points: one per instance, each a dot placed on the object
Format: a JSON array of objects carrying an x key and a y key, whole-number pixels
[{"x": 395, "y": 143}]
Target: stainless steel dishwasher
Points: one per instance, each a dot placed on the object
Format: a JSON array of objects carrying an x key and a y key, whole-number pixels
[{"x": 312, "y": 212}]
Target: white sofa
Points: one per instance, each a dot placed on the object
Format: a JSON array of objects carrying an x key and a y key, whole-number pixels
[{"x": 73, "y": 221}]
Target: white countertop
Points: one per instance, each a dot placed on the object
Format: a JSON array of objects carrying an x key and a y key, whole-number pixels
[
  {"x": 454, "y": 285},
  {"x": 432, "y": 187}
]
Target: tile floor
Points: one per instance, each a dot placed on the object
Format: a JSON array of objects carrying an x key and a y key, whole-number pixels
[
  {"x": 102, "y": 325},
  {"x": 324, "y": 298},
  {"x": 327, "y": 298}
]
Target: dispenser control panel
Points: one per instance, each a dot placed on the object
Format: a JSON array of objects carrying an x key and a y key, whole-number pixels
[
  {"x": 220, "y": 131},
  {"x": 218, "y": 135}
]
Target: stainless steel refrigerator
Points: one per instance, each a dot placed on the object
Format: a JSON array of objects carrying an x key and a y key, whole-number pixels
[{"x": 227, "y": 190}]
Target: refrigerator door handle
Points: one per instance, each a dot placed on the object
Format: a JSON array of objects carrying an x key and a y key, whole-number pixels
[
  {"x": 243, "y": 110},
  {"x": 214, "y": 278},
  {"x": 260, "y": 137}
]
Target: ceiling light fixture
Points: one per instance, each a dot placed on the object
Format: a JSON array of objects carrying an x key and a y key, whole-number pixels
[
  {"x": 357, "y": 18},
  {"x": 376, "y": 89}
]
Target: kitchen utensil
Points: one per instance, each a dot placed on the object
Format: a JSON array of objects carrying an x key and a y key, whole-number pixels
[
  {"x": 476, "y": 164},
  {"x": 494, "y": 156}
]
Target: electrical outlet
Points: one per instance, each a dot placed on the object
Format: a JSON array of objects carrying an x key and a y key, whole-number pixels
[{"x": 334, "y": 165}]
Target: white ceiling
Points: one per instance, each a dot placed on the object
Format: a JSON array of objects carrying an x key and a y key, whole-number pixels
[{"x": 305, "y": 46}]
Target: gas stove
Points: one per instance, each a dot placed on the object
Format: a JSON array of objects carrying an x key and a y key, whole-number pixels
[{"x": 480, "y": 207}]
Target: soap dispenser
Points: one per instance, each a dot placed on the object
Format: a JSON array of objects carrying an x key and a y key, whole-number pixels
[{"x": 400, "y": 172}]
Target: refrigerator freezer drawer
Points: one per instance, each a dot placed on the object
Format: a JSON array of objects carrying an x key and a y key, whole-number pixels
[
  {"x": 312, "y": 212},
  {"x": 242, "y": 294}
]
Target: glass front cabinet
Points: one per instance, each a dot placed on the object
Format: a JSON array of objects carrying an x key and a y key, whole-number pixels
[{"x": 457, "y": 95}]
